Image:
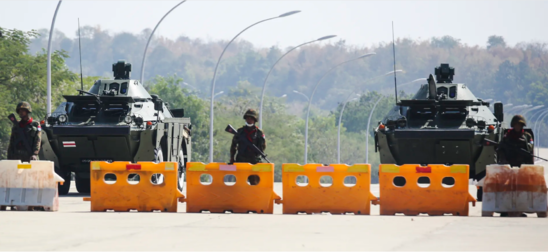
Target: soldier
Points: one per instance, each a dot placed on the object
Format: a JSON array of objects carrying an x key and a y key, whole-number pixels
[
  {"x": 25, "y": 136},
  {"x": 248, "y": 134},
  {"x": 514, "y": 140}
]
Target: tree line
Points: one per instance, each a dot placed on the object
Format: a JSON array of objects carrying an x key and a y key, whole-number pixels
[{"x": 180, "y": 72}]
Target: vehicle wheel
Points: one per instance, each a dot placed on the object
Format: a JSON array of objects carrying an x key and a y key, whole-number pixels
[
  {"x": 479, "y": 194},
  {"x": 83, "y": 185},
  {"x": 158, "y": 155},
  {"x": 181, "y": 178},
  {"x": 65, "y": 187}
]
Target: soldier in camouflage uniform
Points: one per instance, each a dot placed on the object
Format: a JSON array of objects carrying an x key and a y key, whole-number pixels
[
  {"x": 25, "y": 136},
  {"x": 240, "y": 151},
  {"x": 515, "y": 139}
]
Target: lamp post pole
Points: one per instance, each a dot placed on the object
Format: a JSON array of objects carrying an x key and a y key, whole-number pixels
[
  {"x": 215, "y": 75},
  {"x": 48, "y": 105},
  {"x": 142, "y": 80},
  {"x": 339, "y": 128},
  {"x": 537, "y": 135},
  {"x": 347, "y": 100},
  {"x": 367, "y": 130},
  {"x": 312, "y": 96},
  {"x": 532, "y": 109},
  {"x": 272, "y": 68},
  {"x": 539, "y": 113}
]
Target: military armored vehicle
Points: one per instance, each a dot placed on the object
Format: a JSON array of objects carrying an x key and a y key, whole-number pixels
[
  {"x": 116, "y": 120},
  {"x": 444, "y": 123}
]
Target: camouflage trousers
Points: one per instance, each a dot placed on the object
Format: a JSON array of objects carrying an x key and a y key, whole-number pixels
[
  {"x": 22, "y": 155},
  {"x": 244, "y": 159},
  {"x": 253, "y": 179}
]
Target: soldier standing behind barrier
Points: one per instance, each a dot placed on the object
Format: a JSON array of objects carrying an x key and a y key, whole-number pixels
[
  {"x": 25, "y": 136},
  {"x": 515, "y": 139},
  {"x": 250, "y": 133}
]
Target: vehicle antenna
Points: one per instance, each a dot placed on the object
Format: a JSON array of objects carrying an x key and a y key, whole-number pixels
[
  {"x": 394, "y": 53},
  {"x": 80, "y": 50}
]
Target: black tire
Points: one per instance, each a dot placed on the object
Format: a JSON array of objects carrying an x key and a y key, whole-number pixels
[
  {"x": 158, "y": 155},
  {"x": 182, "y": 166},
  {"x": 479, "y": 194},
  {"x": 181, "y": 173},
  {"x": 83, "y": 185},
  {"x": 65, "y": 187}
]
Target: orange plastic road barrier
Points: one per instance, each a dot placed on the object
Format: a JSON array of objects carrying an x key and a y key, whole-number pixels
[
  {"x": 514, "y": 190},
  {"x": 125, "y": 186},
  {"x": 412, "y": 189},
  {"x": 337, "y": 188},
  {"x": 238, "y": 188}
]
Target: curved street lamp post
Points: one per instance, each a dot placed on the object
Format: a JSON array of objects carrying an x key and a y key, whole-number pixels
[
  {"x": 272, "y": 68},
  {"x": 532, "y": 109},
  {"x": 220, "y": 93},
  {"x": 142, "y": 80},
  {"x": 518, "y": 109},
  {"x": 312, "y": 96},
  {"x": 537, "y": 114},
  {"x": 215, "y": 75},
  {"x": 342, "y": 110},
  {"x": 339, "y": 128},
  {"x": 367, "y": 130},
  {"x": 48, "y": 104},
  {"x": 537, "y": 134},
  {"x": 305, "y": 96},
  {"x": 190, "y": 86}
]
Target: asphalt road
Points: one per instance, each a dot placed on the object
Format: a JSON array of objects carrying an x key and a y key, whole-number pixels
[{"x": 75, "y": 228}]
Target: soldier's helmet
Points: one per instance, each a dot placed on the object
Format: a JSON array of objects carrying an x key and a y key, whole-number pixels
[
  {"x": 23, "y": 105},
  {"x": 252, "y": 113},
  {"x": 518, "y": 119}
]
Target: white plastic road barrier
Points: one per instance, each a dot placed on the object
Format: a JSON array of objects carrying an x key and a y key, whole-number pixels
[
  {"x": 28, "y": 186},
  {"x": 514, "y": 190}
]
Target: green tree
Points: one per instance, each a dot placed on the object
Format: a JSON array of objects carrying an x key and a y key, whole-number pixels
[
  {"x": 446, "y": 42},
  {"x": 23, "y": 78},
  {"x": 169, "y": 89},
  {"x": 494, "y": 41}
]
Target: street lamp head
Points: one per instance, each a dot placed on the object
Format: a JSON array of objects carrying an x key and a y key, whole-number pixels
[
  {"x": 326, "y": 37},
  {"x": 391, "y": 72},
  {"x": 283, "y": 96},
  {"x": 419, "y": 79},
  {"x": 295, "y": 91},
  {"x": 367, "y": 55},
  {"x": 289, "y": 13}
]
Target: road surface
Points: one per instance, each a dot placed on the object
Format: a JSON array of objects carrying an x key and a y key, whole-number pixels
[{"x": 75, "y": 228}]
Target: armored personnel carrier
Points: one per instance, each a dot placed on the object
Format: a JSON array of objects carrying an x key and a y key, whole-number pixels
[
  {"x": 116, "y": 120},
  {"x": 444, "y": 123}
]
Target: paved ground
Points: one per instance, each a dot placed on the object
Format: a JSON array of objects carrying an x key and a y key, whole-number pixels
[{"x": 75, "y": 228}]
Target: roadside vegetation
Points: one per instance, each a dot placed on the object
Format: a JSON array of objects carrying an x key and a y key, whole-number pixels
[{"x": 180, "y": 72}]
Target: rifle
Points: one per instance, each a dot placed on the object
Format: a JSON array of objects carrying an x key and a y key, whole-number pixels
[
  {"x": 487, "y": 142},
  {"x": 233, "y": 131},
  {"x": 21, "y": 133}
]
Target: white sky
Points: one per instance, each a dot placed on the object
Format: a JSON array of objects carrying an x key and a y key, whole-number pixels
[{"x": 357, "y": 22}]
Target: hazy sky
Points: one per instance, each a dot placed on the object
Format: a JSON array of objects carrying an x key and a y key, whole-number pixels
[{"x": 357, "y": 22}]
